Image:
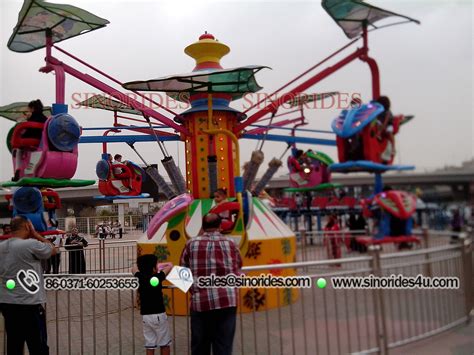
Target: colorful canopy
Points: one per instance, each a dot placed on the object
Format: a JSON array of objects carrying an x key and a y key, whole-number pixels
[
  {"x": 41, "y": 182},
  {"x": 17, "y": 111},
  {"x": 351, "y": 15},
  {"x": 234, "y": 81},
  {"x": 38, "y": 18},
  {"x": 320, "y": 156},
  {"x": 305, "y": 98},
  {"x": 107, "y": 103}
]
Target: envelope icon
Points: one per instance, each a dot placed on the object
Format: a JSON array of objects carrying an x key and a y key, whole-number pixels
[{"x": 181, "y": 277}]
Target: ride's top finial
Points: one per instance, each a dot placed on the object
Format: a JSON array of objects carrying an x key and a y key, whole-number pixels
[
  {"x": 207, "y": 52},
  {"x": 206, "y": 35}
]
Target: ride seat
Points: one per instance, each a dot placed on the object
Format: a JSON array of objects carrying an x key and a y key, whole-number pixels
[
  {"x": 17, "y": 140},
  {"x": 227, "y": 225}
]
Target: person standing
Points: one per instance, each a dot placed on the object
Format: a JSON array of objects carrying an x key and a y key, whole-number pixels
[
  {"x": 333, "y": 240},
  {"x": 456, "y": 225},
  {"x": 113, "y": 231},
  {"x": 75, "y": 245},
  {"x": 101, "y": 231},
  {"x": 56, "y": 259},
  {"x": 22, "y": 306},
  {"x": 213, "y": 310},
  {"x": 120, "y": 229}
]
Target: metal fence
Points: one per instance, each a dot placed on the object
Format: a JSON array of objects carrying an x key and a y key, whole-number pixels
[
  {"x": 320, "y": 245},
  {"x": 119, "y": 255},
  {"x": 100, "y": 256},
  {"x": 321, "y": 321},
  {"x": 87, "y": 225}
]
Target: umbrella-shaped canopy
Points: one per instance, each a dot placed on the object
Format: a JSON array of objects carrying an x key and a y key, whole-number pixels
[
  {"x": 235, "y": 81},
  {"x": 17, "y": 111},
  {"x": 107, "y": 103},
  {"x": 305, "y": 98},
  {"x": 351, "y": 15},
  {"x": 38, "y": 18}
]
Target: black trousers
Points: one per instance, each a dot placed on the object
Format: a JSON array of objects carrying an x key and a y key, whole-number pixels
[
  {"x": 25, "y": 323},
  {"x": 53, "y": 262},
  {"x": 214, "y": 329}
]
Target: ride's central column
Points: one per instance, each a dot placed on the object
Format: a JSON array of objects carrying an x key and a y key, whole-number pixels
[{"x": 212, "y": 159}]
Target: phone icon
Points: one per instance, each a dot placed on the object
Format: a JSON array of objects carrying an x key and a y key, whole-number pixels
[{"x": 29, "y": 280}]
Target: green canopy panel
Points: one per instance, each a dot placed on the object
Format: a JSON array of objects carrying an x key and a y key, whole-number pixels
[
  {"x": 305, "y": 98},
  {"x": 9, "y": 139},
  {"x": 107, "y": 103},
  {"x": 17, "y": 111},
  {"x": 38, "y": 18},
  {"x": 351, "y": 15},
  {"x": 320, "y": 156},
  {"x": 235, "y": 81}
]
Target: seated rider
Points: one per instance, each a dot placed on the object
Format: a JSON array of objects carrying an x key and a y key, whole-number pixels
[
  {"x": 355, "y": 147},
  {"x": 117, "y": 182},
  {"x": 220, "y": 197},
  {"x": 385, "y": 121},
  {"x": 296, "y": 161},
  {"x": 34, "y": 114},
  {"x": 117, "y": 161}
]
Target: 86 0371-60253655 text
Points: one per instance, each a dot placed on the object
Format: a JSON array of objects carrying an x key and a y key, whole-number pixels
[{"x": 74, "y": 282}]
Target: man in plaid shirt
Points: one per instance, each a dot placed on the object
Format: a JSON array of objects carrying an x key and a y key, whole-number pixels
[{"x": 213, "y": 310}]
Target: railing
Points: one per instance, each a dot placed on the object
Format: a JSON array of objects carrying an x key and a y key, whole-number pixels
[
  {"x": 320, "y": 321},
  {"x": 320, "y": 245},
  {"x": 100, "y": 256},
  {"x": 119, "y": 255}
]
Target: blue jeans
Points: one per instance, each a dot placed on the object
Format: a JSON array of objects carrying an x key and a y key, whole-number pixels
[{"x": 214, "y": 329}]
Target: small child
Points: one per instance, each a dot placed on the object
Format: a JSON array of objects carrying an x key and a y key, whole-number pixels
[
  {"x": 155, "y": 321},
  {"x": 220, "y": 196}
]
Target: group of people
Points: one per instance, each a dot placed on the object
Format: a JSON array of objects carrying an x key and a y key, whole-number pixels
[
  {"x": 109, "y": 229},
  {"x": 213, "y": 310},
  {"x": 74, "y": 244}
]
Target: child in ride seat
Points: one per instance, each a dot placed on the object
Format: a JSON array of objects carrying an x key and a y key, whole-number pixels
[
  {"x": 220, "y": 196},
  {"x": 297, "y": 161},
  {"x": 227, "y": 218},
  {"x": 117, "y": 161},
  {"x": 34, "y": 114}
]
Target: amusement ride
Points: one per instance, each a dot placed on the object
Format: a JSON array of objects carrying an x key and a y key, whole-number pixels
[{"x": 210, "y": 130}]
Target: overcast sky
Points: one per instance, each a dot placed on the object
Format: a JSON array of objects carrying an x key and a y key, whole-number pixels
[{"x": 426, "y": 70}]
